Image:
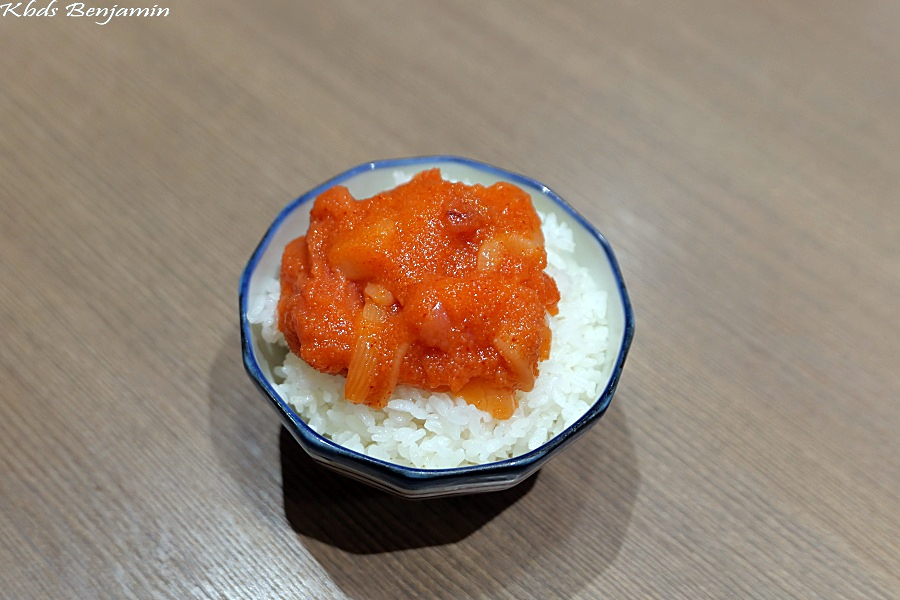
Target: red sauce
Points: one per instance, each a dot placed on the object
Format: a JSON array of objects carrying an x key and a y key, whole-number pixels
[{"x": 434, "y": 284}]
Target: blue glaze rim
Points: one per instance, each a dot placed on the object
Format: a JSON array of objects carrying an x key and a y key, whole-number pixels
[{"x": 410, "y": 481}]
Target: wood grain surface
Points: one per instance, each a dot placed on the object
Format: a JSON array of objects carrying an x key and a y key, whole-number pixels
[{"x": 743, "y": 158}]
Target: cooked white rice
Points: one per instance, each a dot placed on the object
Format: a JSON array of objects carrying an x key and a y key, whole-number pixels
[{"x": 430, "y": 430}]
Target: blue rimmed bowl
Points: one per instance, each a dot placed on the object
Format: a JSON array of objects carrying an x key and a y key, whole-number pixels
[{"x": 366, "y": 180}]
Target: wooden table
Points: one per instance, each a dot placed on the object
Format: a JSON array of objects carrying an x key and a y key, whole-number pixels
[{"x": 743, "y": 158}]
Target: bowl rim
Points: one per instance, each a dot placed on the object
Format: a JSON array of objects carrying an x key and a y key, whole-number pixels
[{"x": 401, "y": 476}]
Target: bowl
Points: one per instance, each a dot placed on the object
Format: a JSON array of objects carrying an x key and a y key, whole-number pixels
[{"x": 366, "y": 180}]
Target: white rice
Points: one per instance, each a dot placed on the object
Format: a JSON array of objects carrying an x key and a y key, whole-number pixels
[{"x": 430, "y": 430}]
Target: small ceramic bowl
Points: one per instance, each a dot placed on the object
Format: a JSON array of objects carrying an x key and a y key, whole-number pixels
[{"x": 367, "y": 180}]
